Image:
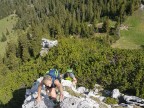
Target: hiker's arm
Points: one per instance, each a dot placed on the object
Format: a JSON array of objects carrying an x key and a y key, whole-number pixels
[
  {"x": 59, "y": 86},
  {"x": 39, "y": 91},
  {"x": 62, "y": 76},
  {"x": 74, "y": 78}
]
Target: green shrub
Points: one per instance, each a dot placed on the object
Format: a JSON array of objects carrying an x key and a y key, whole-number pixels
[{"x": 110, "y": 100}]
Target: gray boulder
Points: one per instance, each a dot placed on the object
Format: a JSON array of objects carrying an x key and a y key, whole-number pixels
[
  {"x": 45, "y": 103},
  {"x": 82, "y": 90},
  {"x": 115, "y": 93},
  {"x": 46, "y": 45},
  {"x": 134, "y": 100}
]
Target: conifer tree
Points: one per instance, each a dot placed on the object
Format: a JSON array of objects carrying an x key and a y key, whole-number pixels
[
  {"x": 7, "y": 32},
  {"x": 106, "y": 26},
  {"x": 3, "y": 38}
]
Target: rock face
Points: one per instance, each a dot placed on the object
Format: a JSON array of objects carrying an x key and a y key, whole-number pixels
[
  {"x": 73, "y": 98},
  {"x": 115, "y": 93},
  {"x": 74, "y": 102},
  {"x": 142, "y": 7},
  {"x": 134, "y": 100},
  {"x": 77, "y": 98},
  {"x": 45, "y": 103},
  {"x": 46, "y": 45},
  {"x": 82, "y": 90}
]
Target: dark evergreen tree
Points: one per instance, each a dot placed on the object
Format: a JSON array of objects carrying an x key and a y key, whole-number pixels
[
  {"x": 3, "y": 38},
  {"x": 106, "y": 26}
]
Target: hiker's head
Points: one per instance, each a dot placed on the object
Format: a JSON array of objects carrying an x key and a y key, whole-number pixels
[
  {"x": 66, "y": 75},
  {"x": 47, "y": 80}
]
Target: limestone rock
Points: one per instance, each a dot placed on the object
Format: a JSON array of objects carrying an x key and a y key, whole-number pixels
[
  {"x": 115, "y": 93},
  {"x": 73, "y": 98},
  {"x": 142, "y": 7},
  {"x": 46, "y": 45},
  {"x": 98, "y": 88},
  {"x": 75, "y": 102},
  {"x": 82, "y": 90},
  {"x": 66, "y": 83},
  {"x": 134, "y": 100},
  {"x": 45, "y": 103}
]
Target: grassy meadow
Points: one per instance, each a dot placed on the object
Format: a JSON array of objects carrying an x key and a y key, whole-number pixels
[
  {"x": 133, "y": 37},
  {"x": 6, "y": 28}
]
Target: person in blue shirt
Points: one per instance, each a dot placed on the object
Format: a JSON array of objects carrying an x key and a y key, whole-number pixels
[{"x": 51, "y": 81}]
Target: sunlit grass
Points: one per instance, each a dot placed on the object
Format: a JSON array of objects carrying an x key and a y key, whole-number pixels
[
  {"x": 7, "y": 24},
  {"x": 132, "y": 38}
]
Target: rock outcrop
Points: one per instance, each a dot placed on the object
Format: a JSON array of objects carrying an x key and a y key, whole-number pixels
[
  {"x": 142, "y": 7},
  {"x": 46, "y": 45},
  {"x": 73, "y": 98},
  {"x": 134, "y": 100},
  {"x": 115, "y": 93},
  {"x": 78, "y": 98}
]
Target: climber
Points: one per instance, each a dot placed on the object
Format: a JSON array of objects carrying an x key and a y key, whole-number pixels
[
  {"x": 51, "y": 81},
  {"x": 69, "y": 75}
]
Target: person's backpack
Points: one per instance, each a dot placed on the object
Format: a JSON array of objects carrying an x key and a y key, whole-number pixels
[
  {"x": 67, "y": 74},
  {"x": 54, "y": 73},
  {"x": 68, "y": 78}
]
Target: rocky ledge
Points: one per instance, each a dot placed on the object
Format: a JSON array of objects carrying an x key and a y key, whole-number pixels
[{"x": 80, "y": 98}]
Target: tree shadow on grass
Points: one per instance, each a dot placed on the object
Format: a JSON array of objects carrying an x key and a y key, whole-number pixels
[
  {"x": 17, "y": 100},
  {"x": 142, "y": 46}
]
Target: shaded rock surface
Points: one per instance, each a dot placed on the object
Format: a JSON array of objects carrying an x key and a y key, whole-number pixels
[{"x": 134, "y": 100}]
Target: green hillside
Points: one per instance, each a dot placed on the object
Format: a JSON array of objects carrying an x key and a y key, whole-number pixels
[
  {"x": 133, "y": 37},
  {"x": 6, "y": 29}
]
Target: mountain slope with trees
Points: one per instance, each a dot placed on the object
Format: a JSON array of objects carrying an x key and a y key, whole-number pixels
[
  {"x": 73, "y": 23},
  {"x": 65, "y": 17}
]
